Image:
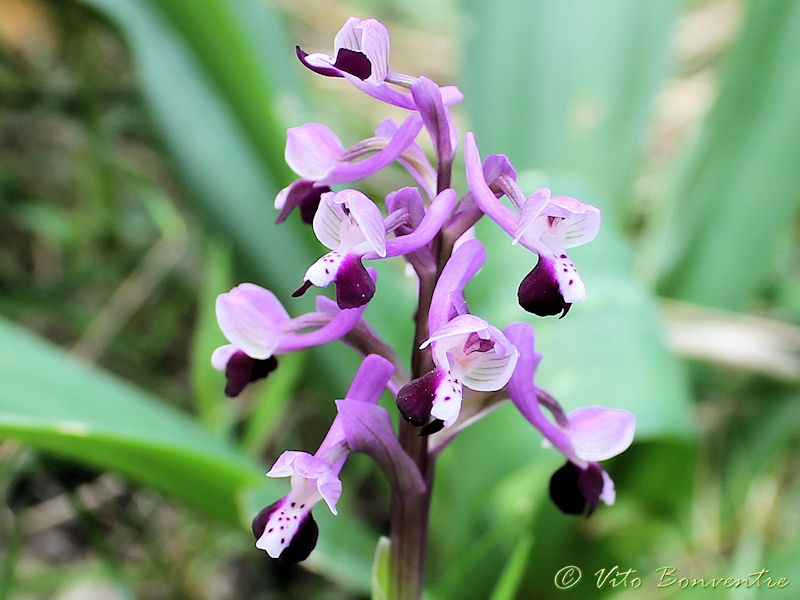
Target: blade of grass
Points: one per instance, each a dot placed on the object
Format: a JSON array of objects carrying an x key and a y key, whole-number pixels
[{"x": 273, "y": 399}]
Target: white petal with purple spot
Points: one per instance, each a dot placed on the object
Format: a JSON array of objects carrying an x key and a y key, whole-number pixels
[
  {"x": 324, "y": 271},
  {"x": 447, "y": 400}
]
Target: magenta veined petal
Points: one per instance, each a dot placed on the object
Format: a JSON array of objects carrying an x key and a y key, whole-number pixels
[
  {"x": 369, "y": 37},
  {"x": 599, "y": 433},
  {"x": 312, "y": 150},
  {"x": 367, "y": 217},
  {"x": 347, "y": 219},
  {"x": 251, "y": 319},
  {"x": 492, "y": 369},
  {"x": 462, "y": 325},
  {"x": 533, "y": 207}
]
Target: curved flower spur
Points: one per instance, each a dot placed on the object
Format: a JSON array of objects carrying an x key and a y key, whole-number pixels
[
  {"x": 545, "y": 225},
  {"x": 457, "y": 356}
]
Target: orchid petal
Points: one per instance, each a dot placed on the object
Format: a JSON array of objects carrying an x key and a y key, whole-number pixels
[
  {"x": 375, "y": 45},
  {"x": 408, "y": 199},
  {"x": 312, "y": 478},
  {"x": 251, "y": 318},
  {"x": 340, "y": 324},
  {"x": 349, "y": 36},
  {"x": 328, "y": 220},
  {"x": 312, "y": 150},
  {"x": 462, "y": 325},
  {"x": 302, "y": 193},
  {"x": 415, "y": 399},
  {"x": 286, "y": 531},
  {"x": 447, "y": 398},
  {"x": 493, "y": 368},
  {"x": 609, "y": 493},
  {"x": 522, "y": 390},
  {"x": 221, "y": 356},
  {"x": 530, "y": 211},
  {"x": 546, "y": 289},
  {"x": 367, "y": 216},
  {"x": 570, "y": 283},
  {"x": 599, "y": 433},
  {"x": 325, "y": 269}
]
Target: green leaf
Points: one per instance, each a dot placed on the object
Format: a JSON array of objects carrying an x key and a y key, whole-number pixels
[
  {"x": 511, "y": 577},
  {"x": 567, "y": 84},
  {"x": 227, "y": 51},
  {"x": 52, "y": 401},
  {"x": 737, "y": 190},
  {"x": 380, "y": 569},
  {"x": 191, "y": 80},
  {"x": 207, "y": 382},
  {"x": 273, "y": 398}
]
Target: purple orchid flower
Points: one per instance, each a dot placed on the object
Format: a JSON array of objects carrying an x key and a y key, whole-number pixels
[
  {"x": 545, "y": 225},
  {"x": 467, "y": 351},
  {"x": 585, "y": 436},
  {"x": 258, "y": 327},
  {"x": 352, "y": 226},
  {"x": 361, "y": 55},
  {"x": 315, "y": 153},
  {"x": 286, "y": 529}
]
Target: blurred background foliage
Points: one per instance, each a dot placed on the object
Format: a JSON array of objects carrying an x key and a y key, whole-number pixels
[{"x": 140, "y": 152}]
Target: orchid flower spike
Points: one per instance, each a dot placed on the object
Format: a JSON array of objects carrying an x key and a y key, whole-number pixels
[
  {"x": 584, "y": 436},
  {"x": 361, "y": 55},
  {"x": 467, "y": 351},
  {"x": 285, "y": 529},
  {"x": 545, "y": 225},
  {"x": 352, "y": 226},
  {"x": 258, "y": 327},
  {"x": 315, "y": 153}
]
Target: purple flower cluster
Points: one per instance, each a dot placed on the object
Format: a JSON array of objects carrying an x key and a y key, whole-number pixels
[{"x": 461, "y": 364}]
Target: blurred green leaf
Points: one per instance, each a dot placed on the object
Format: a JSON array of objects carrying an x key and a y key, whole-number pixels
[
  {"x": 227, "y": 51},
  {"x": 381, "y": 569},
  {"x": 198, "y": 81},
  {"x": 53, "y": 402},
  {"x": 207, "y": 382},
  {"x": 568, "y": 84},
  {"x": 737, "y": 190},
  {"x": 273, "y": 399},
  {"x": 510, "y": 578}
]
